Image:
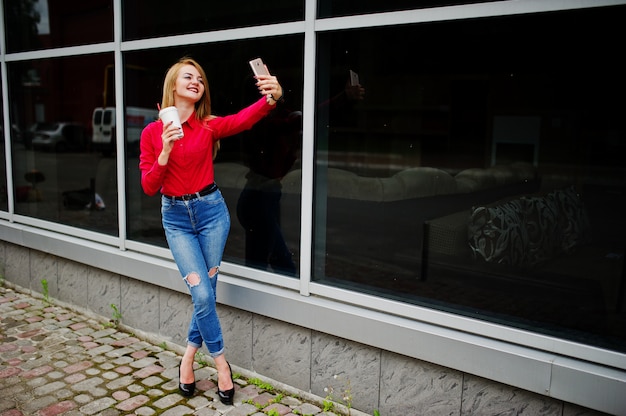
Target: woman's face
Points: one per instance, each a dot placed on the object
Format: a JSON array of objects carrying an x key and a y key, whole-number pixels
[{"x": 189, "y": 84}]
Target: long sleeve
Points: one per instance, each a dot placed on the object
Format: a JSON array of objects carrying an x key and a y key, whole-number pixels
[
  {"x": 152, "y": 174},
  {"x": 190, "y": 165},
  {"x": 241, "y": 121}
]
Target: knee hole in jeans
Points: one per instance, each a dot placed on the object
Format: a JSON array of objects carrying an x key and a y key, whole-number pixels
[
  {"x": 193, "y": 279},
  {"x": 213, "y": 271}
]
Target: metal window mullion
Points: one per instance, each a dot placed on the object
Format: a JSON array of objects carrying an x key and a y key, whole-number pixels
[
  {"x": 120, "y": 132},
  {"x": 308, "y": 148},
  {"x": 6, "y": 119}
]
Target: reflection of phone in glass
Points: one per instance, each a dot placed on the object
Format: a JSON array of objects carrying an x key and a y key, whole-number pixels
[
  {"x": 258, "y": 67},
  {"x": 354, "y": 78}
]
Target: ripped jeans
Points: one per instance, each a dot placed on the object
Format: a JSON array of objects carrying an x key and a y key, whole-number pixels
[{"x": 196, "y": 232}]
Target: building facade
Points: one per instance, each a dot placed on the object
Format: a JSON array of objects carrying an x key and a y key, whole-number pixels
[{"x": 434, "y": 214}]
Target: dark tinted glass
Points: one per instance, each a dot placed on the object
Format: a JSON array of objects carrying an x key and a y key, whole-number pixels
[
  {"x": 15, "y": 135},
  {"x": 333, "y": 8},
  {"x": 257, "y": 171},
  {"x": 57, "y": 173},
  {"x": 41, "y": 24},
  {"x": 481, "y": 172},
  {"x": 145, "y": 19}
]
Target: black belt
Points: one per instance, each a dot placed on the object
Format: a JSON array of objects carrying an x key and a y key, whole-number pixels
[{"x": 203, "y": 192}]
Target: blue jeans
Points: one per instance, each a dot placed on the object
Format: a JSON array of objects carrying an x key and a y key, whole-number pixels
[{"x": 196, "y": 233}]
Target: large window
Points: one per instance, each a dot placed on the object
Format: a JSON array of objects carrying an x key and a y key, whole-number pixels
[
  {"x": 250, "y": 168},
  {"x": 58, "y": 174},
  {"x": 4, "y": 206},
  {"x": 145, "y": 19},
  {"x": 40, "y": 24},
  {"x": 478, "y": 167},
  {"x": 471, "y": 165}
]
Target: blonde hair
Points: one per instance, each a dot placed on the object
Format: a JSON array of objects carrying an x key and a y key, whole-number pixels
[{"x": 203, "y": 106}]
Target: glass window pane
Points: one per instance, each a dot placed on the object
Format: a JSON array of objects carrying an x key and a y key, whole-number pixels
[
  {"x": 58, "y": 176},
  {"x": 15, "y": 135},
  {"x": 333, "y": 8},
  {"x": 258, "y": 171},
  {"x": 41, "y": 24},
  {"x": 487, "y": 177},
  {"x": 144, "y": 19}
]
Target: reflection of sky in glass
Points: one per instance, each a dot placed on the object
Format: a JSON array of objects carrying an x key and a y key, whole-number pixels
[{"x": 41, "y": 7}]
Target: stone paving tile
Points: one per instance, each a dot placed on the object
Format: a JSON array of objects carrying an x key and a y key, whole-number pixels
[{"x": 53, "y": 361}]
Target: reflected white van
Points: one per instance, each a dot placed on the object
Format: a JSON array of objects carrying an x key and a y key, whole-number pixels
[{"x": 104, "y": 129}]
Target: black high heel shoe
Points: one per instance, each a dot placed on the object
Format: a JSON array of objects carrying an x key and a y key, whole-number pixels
[
  {"x": 186, "y": 389},
  {"x": 227, "y": 396}
]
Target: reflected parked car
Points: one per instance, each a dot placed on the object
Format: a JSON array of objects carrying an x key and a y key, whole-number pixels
[
  {"x": 16, "y": 134},
  {"x": 59, "y": 136}
]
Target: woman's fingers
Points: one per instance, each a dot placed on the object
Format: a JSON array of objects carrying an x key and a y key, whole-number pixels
[
  {"x": 267, "y": 81},
  {"x": 268, "y": 84},
  {"x": 170, "y": 135}
]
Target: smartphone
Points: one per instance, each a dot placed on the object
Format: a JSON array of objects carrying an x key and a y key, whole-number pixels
[
  {"x": 258, "y": 67},
  {"x": 354, "y": 78}
]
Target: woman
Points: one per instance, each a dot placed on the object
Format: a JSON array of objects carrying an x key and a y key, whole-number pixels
[{"x": 194, "y": 214}]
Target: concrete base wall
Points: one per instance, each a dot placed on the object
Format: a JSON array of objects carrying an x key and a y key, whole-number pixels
[{"x": 308, "y": 360}]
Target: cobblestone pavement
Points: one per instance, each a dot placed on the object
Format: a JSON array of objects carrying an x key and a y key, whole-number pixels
[{"x": 56, "y": 361}]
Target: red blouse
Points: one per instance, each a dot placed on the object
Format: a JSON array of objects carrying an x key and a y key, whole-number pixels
[{"x": 190, "y": 165}]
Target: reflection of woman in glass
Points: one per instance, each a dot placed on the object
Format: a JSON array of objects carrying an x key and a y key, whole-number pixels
[
  {"x": 269, "y": 150},
  {"x": 194, "y": 214}
]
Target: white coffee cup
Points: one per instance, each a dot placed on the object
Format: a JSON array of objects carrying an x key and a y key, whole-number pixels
[{"x": 171, "y": 114}]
